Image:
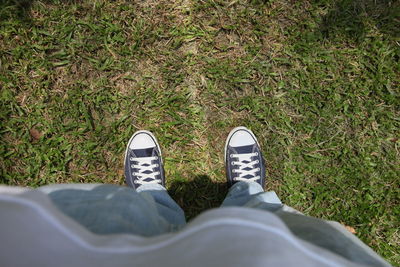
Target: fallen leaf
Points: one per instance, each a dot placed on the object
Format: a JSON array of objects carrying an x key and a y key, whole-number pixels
[
  {"x": 349, "y": 228},
  {"x": 35, "y": 134}
]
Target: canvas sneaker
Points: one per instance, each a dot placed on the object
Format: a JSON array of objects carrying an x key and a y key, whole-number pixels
[
  {"x": 243, "y": 158},
  {"x": 143, "y": 161}
]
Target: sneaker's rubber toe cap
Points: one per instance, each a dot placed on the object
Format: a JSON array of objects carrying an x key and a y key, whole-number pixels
[
  {"x": 241, "y": 138},
  {"x": 142, "y": 140}
]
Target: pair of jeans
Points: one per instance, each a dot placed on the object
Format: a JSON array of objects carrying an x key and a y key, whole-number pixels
[{"x": 147, "y": 211}]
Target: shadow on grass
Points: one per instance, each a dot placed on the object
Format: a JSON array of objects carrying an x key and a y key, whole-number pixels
[
  {"x": 19, "y": 10},
  {"x": 348, "y": 17},
  {"x": 197, "y": 195},
  {"x": 15, "y": 10},
  {"x": 352, "y": 18}
]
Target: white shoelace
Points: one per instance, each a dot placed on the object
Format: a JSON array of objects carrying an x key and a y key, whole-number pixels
[
  {"x": 144, "y": 165},
  {"x": 242, "y": 158}
]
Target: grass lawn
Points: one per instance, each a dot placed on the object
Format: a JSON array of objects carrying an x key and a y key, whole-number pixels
[{"x": 317, "y": 81}]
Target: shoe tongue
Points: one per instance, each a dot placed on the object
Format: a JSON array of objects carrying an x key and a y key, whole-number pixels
[
  {"x": 244, "y": 149},
  {"x": 146, "y": 152}
]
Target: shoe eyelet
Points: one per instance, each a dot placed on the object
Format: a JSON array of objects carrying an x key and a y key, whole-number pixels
[
  {"x": 157, "y": 165},
  {"x": 256, "y": 153},
  {"x": 230, "y": 155},
  {"x": 131, "y": 159},
  {"x": 232, "y": 163},
  {"x": 257, "y": 161},
  {"x": 132, "y": 166},
  {"x": 258, "y": 169},
  {"x": 156, "y": 158}
]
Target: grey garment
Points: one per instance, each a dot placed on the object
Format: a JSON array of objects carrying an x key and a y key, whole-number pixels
[{"x": 35, "y": 232}]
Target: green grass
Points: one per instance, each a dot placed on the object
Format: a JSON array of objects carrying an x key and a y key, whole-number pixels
[{"x": 317, "y": 81}]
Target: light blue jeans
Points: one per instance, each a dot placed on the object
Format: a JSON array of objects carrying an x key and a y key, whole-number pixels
[{"x": 148, "y": 211}]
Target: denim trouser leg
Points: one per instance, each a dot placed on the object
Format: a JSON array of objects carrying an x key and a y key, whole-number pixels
[
  {"x": 111, "y": 209},
  {"x": 251, "y": 195},
  {"x": 147, "y": 211},
  {"x": 245, "y": 194},
  {"x": 166, "y": 206}
]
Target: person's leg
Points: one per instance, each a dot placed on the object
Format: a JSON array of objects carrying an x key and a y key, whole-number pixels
[
  {"x": 245, "y": 172},
  {"x": 166, "y": 206},
  {"x": 111, "y": 209},
  {"x": 252, "y": 195},
  {"x": 144, "y": 172}
]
